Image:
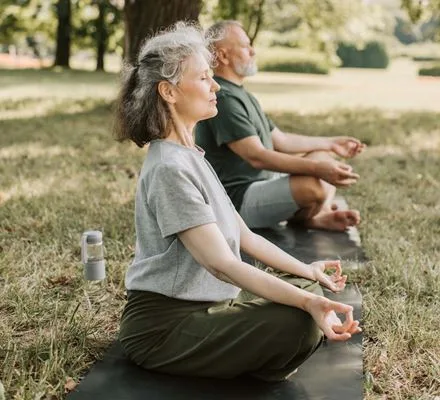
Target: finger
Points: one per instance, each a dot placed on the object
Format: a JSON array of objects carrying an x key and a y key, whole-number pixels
[
  {"x": 348, "y": 320},
  {"x": 337, "y": 288},
  {"x": 337, "y": 279},
  {"x": 344, "y": 174},
  {"x": 345, "y": 182},
  {"x": 339, "y": 337},
  {"x": 339, "y": 329},
  {"x": 340, "y": 307},
  {"x": 345, "y": 167},
  {"x": 333, "y": 264},
  {"x": 354, "y": 328},
  {"x": 332, "y": 335},
  {"x": 340, "y": 285}
]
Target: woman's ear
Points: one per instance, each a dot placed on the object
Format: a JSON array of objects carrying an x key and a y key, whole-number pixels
[{"x": 167, "y": 91}]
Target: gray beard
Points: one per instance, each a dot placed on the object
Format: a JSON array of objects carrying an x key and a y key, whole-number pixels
[{"x": 246, "y": 70}]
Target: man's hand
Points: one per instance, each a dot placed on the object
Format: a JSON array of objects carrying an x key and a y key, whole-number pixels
[
  {"x": 336, "y": 173},
  {"x": 324, "y": 312},
  {"x": 346, "y": 147},
  {"x": 336, "y": 281}
]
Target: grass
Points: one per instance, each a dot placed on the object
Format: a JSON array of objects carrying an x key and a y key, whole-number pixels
[{"x": 61, "y": 173}]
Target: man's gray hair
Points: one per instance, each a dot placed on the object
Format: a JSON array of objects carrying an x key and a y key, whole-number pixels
[
  {"x": 142, "y": 114},
  {"x": 217, "y": 31}
]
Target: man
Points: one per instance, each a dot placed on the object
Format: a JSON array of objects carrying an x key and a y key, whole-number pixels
[{"x": 247, "y": 150}]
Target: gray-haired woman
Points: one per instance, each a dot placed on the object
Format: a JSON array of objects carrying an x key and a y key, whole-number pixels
[{"x": 185, "y": 312}]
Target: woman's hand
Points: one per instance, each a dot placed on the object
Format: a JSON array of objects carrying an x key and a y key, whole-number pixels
[
  {"x": 336, "y": 281},
  {"x": 324, "y": 312}
]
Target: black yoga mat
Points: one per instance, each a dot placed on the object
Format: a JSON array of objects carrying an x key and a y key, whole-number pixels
[{"x": 333, "y": 372}]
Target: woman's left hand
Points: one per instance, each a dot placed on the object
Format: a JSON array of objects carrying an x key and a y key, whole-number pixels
[{"x": 336, "y": 281}]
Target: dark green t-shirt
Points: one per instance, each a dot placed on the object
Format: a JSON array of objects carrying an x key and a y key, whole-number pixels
[{"x": 239, "y": 116}]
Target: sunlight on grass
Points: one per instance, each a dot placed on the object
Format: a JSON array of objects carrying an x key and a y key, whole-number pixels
[
  {"x": 39, "y": 187},
  {"x": 34, "y": 150}
]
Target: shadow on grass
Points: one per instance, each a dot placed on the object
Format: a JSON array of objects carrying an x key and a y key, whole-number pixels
[{"x": 78, "y": 122}]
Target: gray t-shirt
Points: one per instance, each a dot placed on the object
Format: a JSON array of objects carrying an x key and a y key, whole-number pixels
[{"x": 177, "y": 190}]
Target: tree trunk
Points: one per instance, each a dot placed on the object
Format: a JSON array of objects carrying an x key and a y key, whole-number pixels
[
  {"x": 255, "y": 20},
  {"x": 62, "y": 54},
  {"x": 145, "y": 17},
  {"x": 101, "y": 36}
]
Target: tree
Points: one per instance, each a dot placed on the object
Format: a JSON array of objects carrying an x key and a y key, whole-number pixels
[
  {"x": 144, "y": 17},
  {"x": 62, "y": 53},
  {"x": 428, "y": 10},
  {"x": 249, "y": 12},
  {"x": 97, "y": 25},
  {"x": 27, "y": 23},
  {"x": 101, "y": 35}
]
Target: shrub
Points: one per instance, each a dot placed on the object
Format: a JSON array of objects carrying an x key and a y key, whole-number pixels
[
  {"x": 374, "y": 55},
  {"x": 430, "y": 71},
  {"x": 426, "y": 58},
  {"x": 289, "y": 60},
  {"x": 305, "y": 67}
]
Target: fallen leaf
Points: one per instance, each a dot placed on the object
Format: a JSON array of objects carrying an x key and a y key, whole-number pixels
[
  {"x": 69, "y": 385},
  {"x": 60, "y": 280}
]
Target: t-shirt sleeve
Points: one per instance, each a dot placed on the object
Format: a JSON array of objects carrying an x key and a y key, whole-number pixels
[
  {"x": 272, "y": 126},
  {"x": 232, "y": 122},
  {"x": 175, "y": 197}
]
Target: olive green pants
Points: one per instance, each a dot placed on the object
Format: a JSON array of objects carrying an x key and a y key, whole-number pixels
[{"x": 248, "y": 335}]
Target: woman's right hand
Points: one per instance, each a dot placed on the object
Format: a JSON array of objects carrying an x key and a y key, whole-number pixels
[{"x": 324, "y": 312}]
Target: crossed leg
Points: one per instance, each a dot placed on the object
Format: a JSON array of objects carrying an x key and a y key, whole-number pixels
[{"x": 314, "y": 198}]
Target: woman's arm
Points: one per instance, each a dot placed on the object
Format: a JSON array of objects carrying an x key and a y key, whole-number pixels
[
  {"x": 261, "y": 249},
  {"x": 272, "y": 256},
  {"x": 209, "y": 248}
]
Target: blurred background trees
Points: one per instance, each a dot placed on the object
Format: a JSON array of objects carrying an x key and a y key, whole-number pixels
[{"x": 324, "y": 33}]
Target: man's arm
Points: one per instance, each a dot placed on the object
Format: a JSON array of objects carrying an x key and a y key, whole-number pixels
[
  {"x": 292, "y": 143},
  {"x": 251, "y": 149}
]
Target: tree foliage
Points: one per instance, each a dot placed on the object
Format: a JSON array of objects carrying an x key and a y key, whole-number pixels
[
  {"x": 427, "y": 11},
  {"x": 31, "y": 21},
  {"x": 249, "y": 12},
  {"x": 318, "y": 25},
  {"x": 98, "y": 25}
]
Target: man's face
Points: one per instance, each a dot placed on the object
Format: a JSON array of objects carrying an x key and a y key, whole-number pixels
[{"x": 239, "y": 52}]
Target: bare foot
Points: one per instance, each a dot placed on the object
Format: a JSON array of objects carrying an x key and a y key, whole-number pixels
[{"x": 334, "y": 220}]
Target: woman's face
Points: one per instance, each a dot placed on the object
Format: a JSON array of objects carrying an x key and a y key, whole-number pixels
[{"x": 196, "y": 99}]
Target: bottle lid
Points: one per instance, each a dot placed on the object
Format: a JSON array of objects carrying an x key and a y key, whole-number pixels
[{"x": 94, "y": 237}]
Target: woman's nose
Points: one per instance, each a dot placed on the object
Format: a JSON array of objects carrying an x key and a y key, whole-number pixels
[{"x": 215, "y": 87}]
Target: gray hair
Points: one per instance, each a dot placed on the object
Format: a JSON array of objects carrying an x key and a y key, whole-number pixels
[
  {"x": 141, "y": 113},
  {"x": 217, "y": 31}
]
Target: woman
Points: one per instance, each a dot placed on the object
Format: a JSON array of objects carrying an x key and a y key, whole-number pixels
[{"x": 185, "y": 312}]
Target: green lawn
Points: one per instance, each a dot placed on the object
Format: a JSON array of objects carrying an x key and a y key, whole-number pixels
[{"x": 62, "y": 173}]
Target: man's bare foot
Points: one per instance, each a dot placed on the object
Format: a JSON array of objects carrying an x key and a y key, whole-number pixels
[{"x": 334, "y": 220}]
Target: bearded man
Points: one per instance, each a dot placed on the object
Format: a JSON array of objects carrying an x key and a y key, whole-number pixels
[{"x": 270, "y": 176}]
